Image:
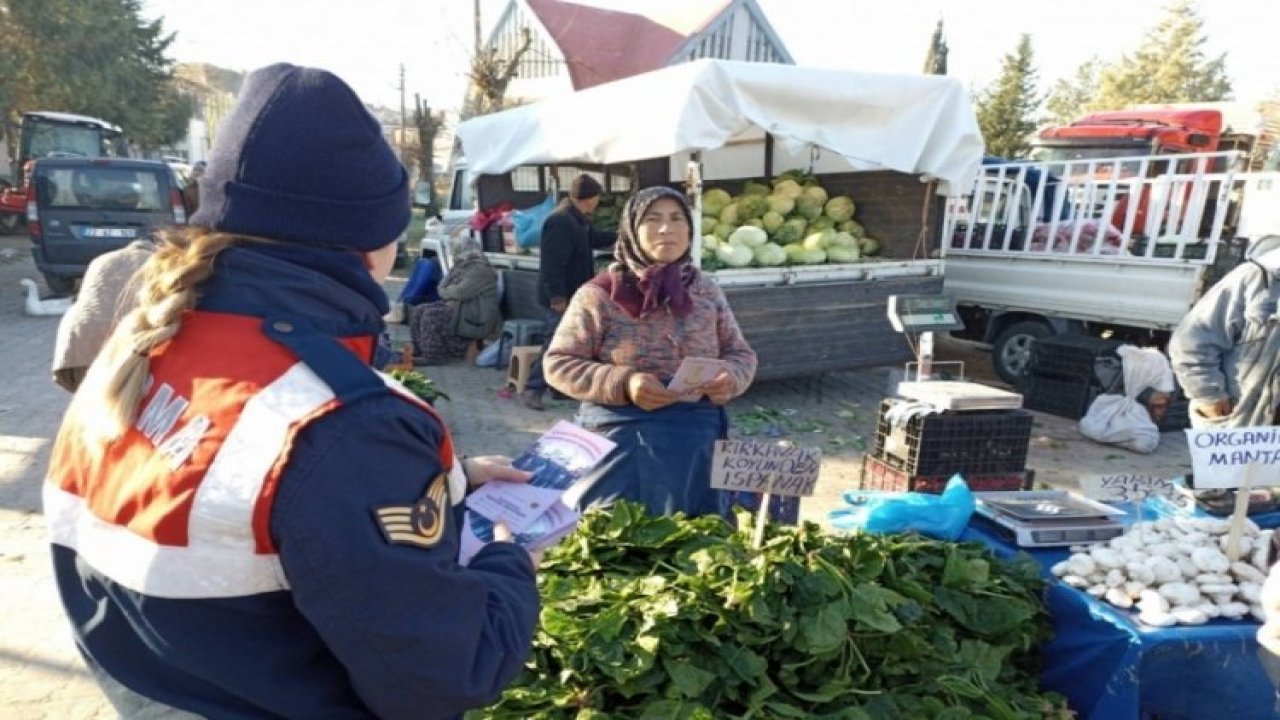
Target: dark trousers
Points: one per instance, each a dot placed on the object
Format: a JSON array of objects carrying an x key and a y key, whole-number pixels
[{"x": 537, "y": 379}]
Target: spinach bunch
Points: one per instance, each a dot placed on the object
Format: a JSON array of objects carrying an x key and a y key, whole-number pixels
[{"x": 673, "y": 618}]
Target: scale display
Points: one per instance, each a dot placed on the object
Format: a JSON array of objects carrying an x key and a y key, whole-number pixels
[
  {"x": 1050, "y": 517},
  {"x": 923, "y": 313}
]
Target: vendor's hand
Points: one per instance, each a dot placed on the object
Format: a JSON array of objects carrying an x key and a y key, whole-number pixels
[
  {"x": 648, "y": 393},
  {"x": 502, "y": 533},
  {"x": 720, "y": 389},
  {"x": 559, "y": 304},
  {"x": 1212, "y": 409},
  {"x": 480, "y": 470}
]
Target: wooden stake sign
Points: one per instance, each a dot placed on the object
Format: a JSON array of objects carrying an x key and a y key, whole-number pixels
[{"x": 777, "y": 468}]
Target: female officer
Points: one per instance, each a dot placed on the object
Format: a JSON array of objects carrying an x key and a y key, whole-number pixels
[{"x": 247, "y": 520}]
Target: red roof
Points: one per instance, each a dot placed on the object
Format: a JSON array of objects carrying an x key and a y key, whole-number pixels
[{"x": 602, "y": 45}]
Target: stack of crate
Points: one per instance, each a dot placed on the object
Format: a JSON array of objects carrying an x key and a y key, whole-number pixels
[
  {"x": 1067, "y": 372},
  {"x": 986, "y": 447}
]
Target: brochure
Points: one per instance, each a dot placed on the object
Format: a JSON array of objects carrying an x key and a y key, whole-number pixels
[
  {"x": 534, "y": 511},
  {"x": 693, "y": 373}
]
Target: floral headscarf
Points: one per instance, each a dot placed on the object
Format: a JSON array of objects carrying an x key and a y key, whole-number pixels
[{"x": 634, "y": 281}]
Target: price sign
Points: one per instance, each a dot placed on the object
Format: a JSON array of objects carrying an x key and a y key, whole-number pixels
[
  {"x": 777, "y": 468},
  {"x": 1221, "y": 457},
  {"x": 1129, "y": 487}
]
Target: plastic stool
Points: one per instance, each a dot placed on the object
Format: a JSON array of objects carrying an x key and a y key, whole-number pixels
[
  {"x": 519, "y": 333},
  {"x": 522, "y": 359}
]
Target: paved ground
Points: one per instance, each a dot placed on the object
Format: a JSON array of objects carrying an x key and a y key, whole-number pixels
[{"x": 42, "y": 677}]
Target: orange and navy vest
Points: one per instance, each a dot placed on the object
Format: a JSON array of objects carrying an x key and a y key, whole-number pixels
[{"x": 180, "y": 505}]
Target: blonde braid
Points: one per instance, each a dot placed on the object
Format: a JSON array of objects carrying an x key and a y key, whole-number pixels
[{"x": 114, "y": 386}]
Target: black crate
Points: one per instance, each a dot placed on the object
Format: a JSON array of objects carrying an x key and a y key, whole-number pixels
[
  {"x": 1076, "y": 356},
  {"x": 974, "y": 441},
  {"x": 1178, "y": 416},
  {"x": 878, "y": 474},
  {"x": 1065, "y": 396}
]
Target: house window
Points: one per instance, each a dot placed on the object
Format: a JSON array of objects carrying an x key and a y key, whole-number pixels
[{"x": 526, "y": 179}]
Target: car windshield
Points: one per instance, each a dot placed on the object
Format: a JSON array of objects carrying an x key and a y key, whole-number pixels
[
  {"x": 103, "y": 188},
  {"x": 51, "y": 140}
]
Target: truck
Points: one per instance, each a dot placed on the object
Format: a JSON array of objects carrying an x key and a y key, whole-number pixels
[
  {"x": 1060, "y": 247},
  {"x": 898, "y": 145},
  {"x": 52, "y": 134}
]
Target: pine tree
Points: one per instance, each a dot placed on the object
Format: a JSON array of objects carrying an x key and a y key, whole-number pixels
[
  {"x": 935, "y": 62},
  {"x": 1069, "y": 98},
  {"x": 1007, "y": 107},
  {"x": 1168, "y": 67}
]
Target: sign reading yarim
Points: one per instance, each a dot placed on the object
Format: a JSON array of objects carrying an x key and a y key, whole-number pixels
[{"x": 776, "y": 468}]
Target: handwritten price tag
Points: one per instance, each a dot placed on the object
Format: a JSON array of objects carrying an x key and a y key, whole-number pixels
[
  {"x": 765, "y": 467},
  {"x": 1128, "y": 487}
]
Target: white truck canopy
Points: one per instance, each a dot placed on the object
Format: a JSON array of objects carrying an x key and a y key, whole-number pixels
[{"x": 916, "y": 124}]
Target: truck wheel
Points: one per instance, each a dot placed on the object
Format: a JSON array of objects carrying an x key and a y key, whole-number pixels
[
  {"x": 58, "y": 285},
  {"x": 1011, "y": 352}
]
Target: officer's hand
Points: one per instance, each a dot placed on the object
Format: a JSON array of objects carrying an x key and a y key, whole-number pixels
[
  {"x": 483, "y": 469},
  {"x": 502, "y": 533},
  {"x": 648, "y": 393}
]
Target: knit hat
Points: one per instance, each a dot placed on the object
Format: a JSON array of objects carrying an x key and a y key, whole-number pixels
[
  {"x": 584, "y": 187},
  {"x": 301, "y": 160}
]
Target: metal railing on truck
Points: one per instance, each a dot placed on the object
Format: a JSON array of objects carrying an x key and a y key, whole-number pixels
[{"x": 1159, "y": 208}]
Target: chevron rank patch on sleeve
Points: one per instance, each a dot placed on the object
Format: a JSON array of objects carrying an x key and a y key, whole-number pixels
[{"x": 421, "y": 524}]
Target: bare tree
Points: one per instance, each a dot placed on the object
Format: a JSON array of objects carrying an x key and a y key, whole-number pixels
[
  {"x": 491, "y": 74},
  {"x": 428, "y": 124}
]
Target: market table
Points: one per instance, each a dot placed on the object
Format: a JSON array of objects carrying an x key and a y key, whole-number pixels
[{"x": 1110, "y": 667}]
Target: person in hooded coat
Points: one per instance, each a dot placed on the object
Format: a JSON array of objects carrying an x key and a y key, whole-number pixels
[
  {"x": 248, "y": 521},
  {"x": 468, "y": 308},
  {"x": 622, "y": 339}
]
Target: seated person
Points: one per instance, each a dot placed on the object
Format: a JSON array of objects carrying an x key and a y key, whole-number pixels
[
  {"x": 621, "y": 340},
  {"x": 467, "y": 311}
]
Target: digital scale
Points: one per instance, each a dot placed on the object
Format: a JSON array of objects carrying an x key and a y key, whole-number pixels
[
  {"x": 1049, "y": 518},
  {"x": 954, "y": 395}
]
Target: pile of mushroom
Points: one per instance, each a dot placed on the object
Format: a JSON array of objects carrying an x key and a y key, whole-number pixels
[{"x": 1175, "y": 570}]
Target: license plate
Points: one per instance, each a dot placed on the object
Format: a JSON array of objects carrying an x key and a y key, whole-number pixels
[{"x": 122, "y": 233}]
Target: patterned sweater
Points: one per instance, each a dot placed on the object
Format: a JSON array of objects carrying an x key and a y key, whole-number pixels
[{"x": 598, "y": 346}]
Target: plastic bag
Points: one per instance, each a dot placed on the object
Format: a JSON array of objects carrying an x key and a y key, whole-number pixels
[
  {"x": 528, "y": 222},
  {"x": 943, "y": 516},
  {"x": 1121, "y": 419},
  {"x": 488, "y": 357}
]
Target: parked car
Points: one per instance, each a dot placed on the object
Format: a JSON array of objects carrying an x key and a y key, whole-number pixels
[{"x": 84, "y": 207}]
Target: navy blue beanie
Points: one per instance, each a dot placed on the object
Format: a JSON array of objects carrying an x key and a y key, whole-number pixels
[{"x": 300, "y": 160}]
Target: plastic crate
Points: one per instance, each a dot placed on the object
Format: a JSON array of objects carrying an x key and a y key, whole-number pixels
[
  {"x": 878, "y": 474},
  {"x": 1075, "y": 356},
  {"x": 1067, "y": 397},
  {"x": 1178, "y": 416},
  {"x": 974, "y": 441}
]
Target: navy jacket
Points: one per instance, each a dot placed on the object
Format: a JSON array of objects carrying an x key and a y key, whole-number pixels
[
  {"x": 367, "y": 629},
  {"x": 565, "y": 260}
]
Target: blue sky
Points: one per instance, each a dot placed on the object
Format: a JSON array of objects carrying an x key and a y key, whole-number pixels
[{"x": 365, "y": 42}]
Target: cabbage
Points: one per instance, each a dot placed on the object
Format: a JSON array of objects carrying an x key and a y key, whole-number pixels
[
  {"x": 749, "y": 236},
  {"x": 729, "y": 214},
  {"x": 853, "y": 227},
  {"x": 788, "y": 188},
  {"x": 734, "y": 255},
  {"x": 792, "y": 230},
  {"x": 754, "y": 188},
  {"x": 809, "y": 206},
  {"x": 840, "y": 208},
  {"x": 714, "y": 200},
  {"x": 710, "y": 241},
  {"x": 724, "y": 230},
  {"x": 754, "y": 222},
  {"x": 814, "y": 192},
  {"x": 751, "y": 206},
  {"x": 819, "y": 240},
  {"x": 781, "y": 204},
  {"x": 771, "y": 222},
  {"x": 844, "y": 240},
  {"x": 769, "y": 255},
  {"x": 812, "y": 257},
  {"x": 869, "y": 246},
  {"x": 839, "y": 254},
  {"x": 822, "y": 222},
  {"x": 794, "y": 252}
]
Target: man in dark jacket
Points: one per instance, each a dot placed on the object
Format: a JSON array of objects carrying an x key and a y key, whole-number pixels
[{"x": 565, "y": 264}]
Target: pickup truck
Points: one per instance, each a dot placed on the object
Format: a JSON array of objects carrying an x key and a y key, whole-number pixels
[
  {"x": 896, "y": 144},
  {"x": 1121, "y": 247}
]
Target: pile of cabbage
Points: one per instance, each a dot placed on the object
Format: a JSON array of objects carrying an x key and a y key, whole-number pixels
[{"x": 792, "y": 221}]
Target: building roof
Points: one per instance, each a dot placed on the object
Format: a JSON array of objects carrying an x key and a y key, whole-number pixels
[{"x": 607, "y": 45}]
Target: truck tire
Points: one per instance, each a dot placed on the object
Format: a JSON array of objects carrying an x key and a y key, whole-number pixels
[
  {"x": 1011, "y": 352},
  {"x": 60, "y": 286}
]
